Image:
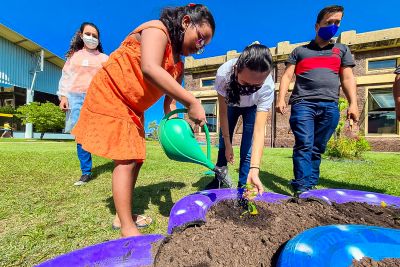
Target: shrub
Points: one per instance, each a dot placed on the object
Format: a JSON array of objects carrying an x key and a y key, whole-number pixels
[
  {"x": 8, "y": 109},
  {"x": 44, "y": 116},
  {"x": 341, "y": 145}
]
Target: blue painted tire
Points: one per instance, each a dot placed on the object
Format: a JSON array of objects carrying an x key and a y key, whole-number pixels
[{"x": 339, "y": 245}]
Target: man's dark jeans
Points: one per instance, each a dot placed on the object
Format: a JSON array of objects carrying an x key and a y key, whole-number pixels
[{"x": 313, "y": 123}]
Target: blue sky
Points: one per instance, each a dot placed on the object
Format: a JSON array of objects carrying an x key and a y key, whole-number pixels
[{"x": 52, "y": 24}]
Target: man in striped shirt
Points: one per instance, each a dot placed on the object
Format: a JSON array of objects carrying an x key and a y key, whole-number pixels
[{"x": 320, "y": 68}]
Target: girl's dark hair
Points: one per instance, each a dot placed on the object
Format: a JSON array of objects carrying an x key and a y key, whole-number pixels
[
  {"x": 255, "y": 57},
  {"x": 329, "y": 10},
  {"x": 172, "y": 19},
  {"x": 77, "y": 42}
]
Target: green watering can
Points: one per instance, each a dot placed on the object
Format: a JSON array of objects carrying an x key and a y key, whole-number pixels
[{"x": 179, "y": 143}]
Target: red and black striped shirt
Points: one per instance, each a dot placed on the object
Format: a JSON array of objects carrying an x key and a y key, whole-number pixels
[{"x": 317, "y": 70}]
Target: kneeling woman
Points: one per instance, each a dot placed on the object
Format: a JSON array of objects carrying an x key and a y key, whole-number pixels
[{"x": 245, "y": 88}]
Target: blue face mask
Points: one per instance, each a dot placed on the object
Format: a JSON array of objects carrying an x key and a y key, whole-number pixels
[{"x": 326, "y": 33}]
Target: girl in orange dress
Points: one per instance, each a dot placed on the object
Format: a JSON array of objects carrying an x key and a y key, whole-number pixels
[{"x": 145, "y": 67}]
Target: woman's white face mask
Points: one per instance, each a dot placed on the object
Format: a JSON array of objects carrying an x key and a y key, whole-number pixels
[{"x": 90, "y": 41}]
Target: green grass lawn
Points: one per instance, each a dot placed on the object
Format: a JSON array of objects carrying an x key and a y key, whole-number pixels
[{"x": 43, "y": 215}]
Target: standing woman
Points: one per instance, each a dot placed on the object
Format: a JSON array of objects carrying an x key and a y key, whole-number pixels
[
  {"x": 245, "y": 88},
  {"x": 84, "y": 58}
]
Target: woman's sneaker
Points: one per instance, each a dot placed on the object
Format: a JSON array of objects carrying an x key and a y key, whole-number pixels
[
  {"x": 84, "y": 179},
  {"x": 222, "y": 179},
  {"x": 222, "y": 175}
]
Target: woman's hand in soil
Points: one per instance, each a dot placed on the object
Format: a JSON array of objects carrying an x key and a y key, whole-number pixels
[{"x": 253, "y": 179}]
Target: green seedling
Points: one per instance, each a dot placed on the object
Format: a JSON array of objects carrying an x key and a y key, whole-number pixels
[
  {"x": 252, "y": 208},
  {"x": 247, "y": 200}
]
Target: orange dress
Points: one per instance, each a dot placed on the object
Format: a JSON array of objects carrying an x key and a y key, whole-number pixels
[{"x": 111, "y": 123}]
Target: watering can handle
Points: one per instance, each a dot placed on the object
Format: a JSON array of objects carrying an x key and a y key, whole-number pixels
[{"x": 205, "y": 128}]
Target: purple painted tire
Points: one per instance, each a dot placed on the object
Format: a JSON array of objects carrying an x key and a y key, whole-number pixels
[
  {"x": 192, "y": 209},
  {"x": 345, "y": 195},
  {"x": 131, "y": 251}
]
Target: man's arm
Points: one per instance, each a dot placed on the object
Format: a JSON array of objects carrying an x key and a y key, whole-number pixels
[
  {"x": 284, "y": 87},
  {"x": 350, "y": 90}
]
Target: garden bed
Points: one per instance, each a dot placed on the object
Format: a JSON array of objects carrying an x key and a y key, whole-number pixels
[{"x": 227, "y": 239}]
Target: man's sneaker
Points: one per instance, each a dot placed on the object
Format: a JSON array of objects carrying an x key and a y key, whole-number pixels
[
  {"x": 84, "y": 179},
  {"x": 297, "y": 193}
]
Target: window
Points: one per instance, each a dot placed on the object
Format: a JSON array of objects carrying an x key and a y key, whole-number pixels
[
  {"x": 207, "y": 82},
  {"x": 381, "y": 113},
  {"x": 210, "y": 106},
  {"x": 9, "y": 102},
  {"x": 382, "y": 64}
]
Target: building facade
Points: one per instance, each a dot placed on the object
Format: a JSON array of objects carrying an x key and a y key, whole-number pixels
[
  {"x": 376, "y": 55},
  {"x": 20, "y": 59}
]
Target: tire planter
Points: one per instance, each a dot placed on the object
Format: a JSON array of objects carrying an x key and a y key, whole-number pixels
[
  {"x": 339, "y": 245},
  {"x": 344, "y": 195},
  {"x": 131, "y": 251},
  {"x": 192, "y": 209}
]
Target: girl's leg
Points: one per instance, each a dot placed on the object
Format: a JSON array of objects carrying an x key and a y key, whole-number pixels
[
  {"x": 123, "y": 182},
  {"x": 136, "y": 169}
]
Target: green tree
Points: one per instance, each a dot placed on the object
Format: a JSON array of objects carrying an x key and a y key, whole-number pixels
[
  {"x": 44, "y": 116},
  {"x": 153, "y": 127}
]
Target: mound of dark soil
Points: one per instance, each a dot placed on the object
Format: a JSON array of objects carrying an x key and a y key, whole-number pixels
[{"x": 226, "y": 239}]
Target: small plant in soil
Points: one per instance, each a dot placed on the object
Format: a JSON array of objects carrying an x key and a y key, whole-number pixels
[{"x": 245, "y": 199}]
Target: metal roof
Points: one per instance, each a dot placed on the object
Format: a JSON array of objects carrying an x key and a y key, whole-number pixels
[{"x": 29, "y": 45}]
